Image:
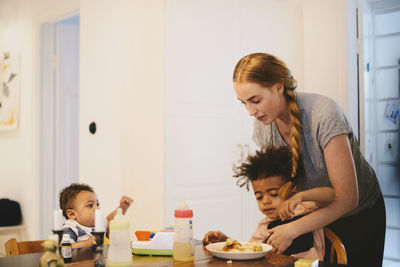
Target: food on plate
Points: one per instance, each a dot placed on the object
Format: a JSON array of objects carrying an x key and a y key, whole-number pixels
[
  {"x": 234, "y": 250},
  {"x": 232, "y": 245}
]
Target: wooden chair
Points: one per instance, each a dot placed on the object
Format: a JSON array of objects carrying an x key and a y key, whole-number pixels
[
  {"x": 14, "y": 248},
  {"x": 337, "y": 248}
]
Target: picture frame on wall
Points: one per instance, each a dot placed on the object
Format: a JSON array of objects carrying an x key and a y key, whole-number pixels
[{"x": 9, "y": 91}]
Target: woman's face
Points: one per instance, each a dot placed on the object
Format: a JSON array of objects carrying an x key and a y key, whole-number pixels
[
  {"x": 266, "y": 193},
  {"x": 264, "y": 104}
]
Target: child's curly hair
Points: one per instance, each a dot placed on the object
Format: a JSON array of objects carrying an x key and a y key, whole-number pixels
[
  {"x": 68, "y": 194},
  {"x": 267, "y": 162}
]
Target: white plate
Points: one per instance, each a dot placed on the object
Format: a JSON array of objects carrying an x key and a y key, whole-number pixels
[{"x": 215, "y": 249}]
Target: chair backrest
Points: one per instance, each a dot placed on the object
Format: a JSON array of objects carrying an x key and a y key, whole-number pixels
[
  {"x": 337, "y": 248},
  {"x": 14, "y": 248}
]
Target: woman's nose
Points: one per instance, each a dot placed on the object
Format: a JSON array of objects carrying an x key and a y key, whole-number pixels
[{"x": 252, "y": 111}]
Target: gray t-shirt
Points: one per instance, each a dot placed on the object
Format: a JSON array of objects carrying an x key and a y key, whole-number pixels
[{"x": 321, "y": 120}]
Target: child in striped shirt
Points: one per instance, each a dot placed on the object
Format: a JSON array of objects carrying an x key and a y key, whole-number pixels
[{"x": 78, "y": 203}]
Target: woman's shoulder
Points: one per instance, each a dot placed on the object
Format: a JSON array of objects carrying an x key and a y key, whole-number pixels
[
  {"x": 319, "y": 107},
  {"x": 310, "y": 101},
  {"x": 323, "y": 117}
]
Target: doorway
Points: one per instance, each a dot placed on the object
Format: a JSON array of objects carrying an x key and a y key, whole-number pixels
[
  {"x": 59, "y": 113},
  {"x": 381, "y": 24}
]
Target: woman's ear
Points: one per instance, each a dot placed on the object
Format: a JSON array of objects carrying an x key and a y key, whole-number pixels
[
  {"x": 71, "y": 214},
  {"x": 279, "y": 87}
]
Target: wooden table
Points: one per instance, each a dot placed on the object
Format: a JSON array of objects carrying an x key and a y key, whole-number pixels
[{"x": 85, "y": 257}]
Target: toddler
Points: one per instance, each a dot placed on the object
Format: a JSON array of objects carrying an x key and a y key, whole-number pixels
[
  {"x": 78, "y": 203},
  {"x": 269, "y": 172}
]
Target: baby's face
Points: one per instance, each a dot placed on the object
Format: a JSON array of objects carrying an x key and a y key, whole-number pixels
[
  {"x": 266, "y": 193},
  {"x": 85, "y": 205}
]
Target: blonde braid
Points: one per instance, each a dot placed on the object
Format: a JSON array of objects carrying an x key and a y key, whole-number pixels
[
  {"x": 295, "y": 137},
  {"x": 287, "y": 190}
]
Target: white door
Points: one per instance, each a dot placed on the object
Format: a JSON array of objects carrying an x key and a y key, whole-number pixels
[
  {"x": 202, "y": 128},
  {"x": 207, "y": 129},
  {"x": 259, "y": 31}
]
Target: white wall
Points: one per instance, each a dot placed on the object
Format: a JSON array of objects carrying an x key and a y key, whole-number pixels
[
  {"x": 142, "y": 110},
  {"x": 122, "y": 91},
  {"x": 19, "y": 168},
  {"x": 99, "y": 98},
  {"x": 330, "y": 52}
]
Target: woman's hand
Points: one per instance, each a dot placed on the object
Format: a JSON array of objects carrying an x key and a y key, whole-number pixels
[
  {"x": 281, "y": 237},
  {"x": 213, "y": 237},
  {"x": 286, "y": 210},
  {"x": 125, "y": 203}
]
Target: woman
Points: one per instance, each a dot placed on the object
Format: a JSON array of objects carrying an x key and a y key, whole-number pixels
[{"x": 320, "y": 138}]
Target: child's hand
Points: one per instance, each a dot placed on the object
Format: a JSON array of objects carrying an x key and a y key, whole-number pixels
[
  {"x": 213, "y": 237},
  {"x": 87, "y": 243},
  {"x": 125, "y": 203},
  {"x": 286, "y": 211}
]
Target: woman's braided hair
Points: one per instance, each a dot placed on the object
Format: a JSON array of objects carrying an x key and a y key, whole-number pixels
[{"x": 267, "y": 70}]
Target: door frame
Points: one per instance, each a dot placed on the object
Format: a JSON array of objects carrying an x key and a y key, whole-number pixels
[{"x": 48, "y": 101}]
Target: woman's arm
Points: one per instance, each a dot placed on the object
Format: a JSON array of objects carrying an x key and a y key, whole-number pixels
[
  {"x": 342, "y": 175},
  {"x": 320, "y": 195}
]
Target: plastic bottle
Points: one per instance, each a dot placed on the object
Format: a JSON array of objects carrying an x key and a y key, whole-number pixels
[
  {"x": 120, "y": 251},
  {"x": 183, "y": 249},
  {"x": 66, "y": 249}
]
